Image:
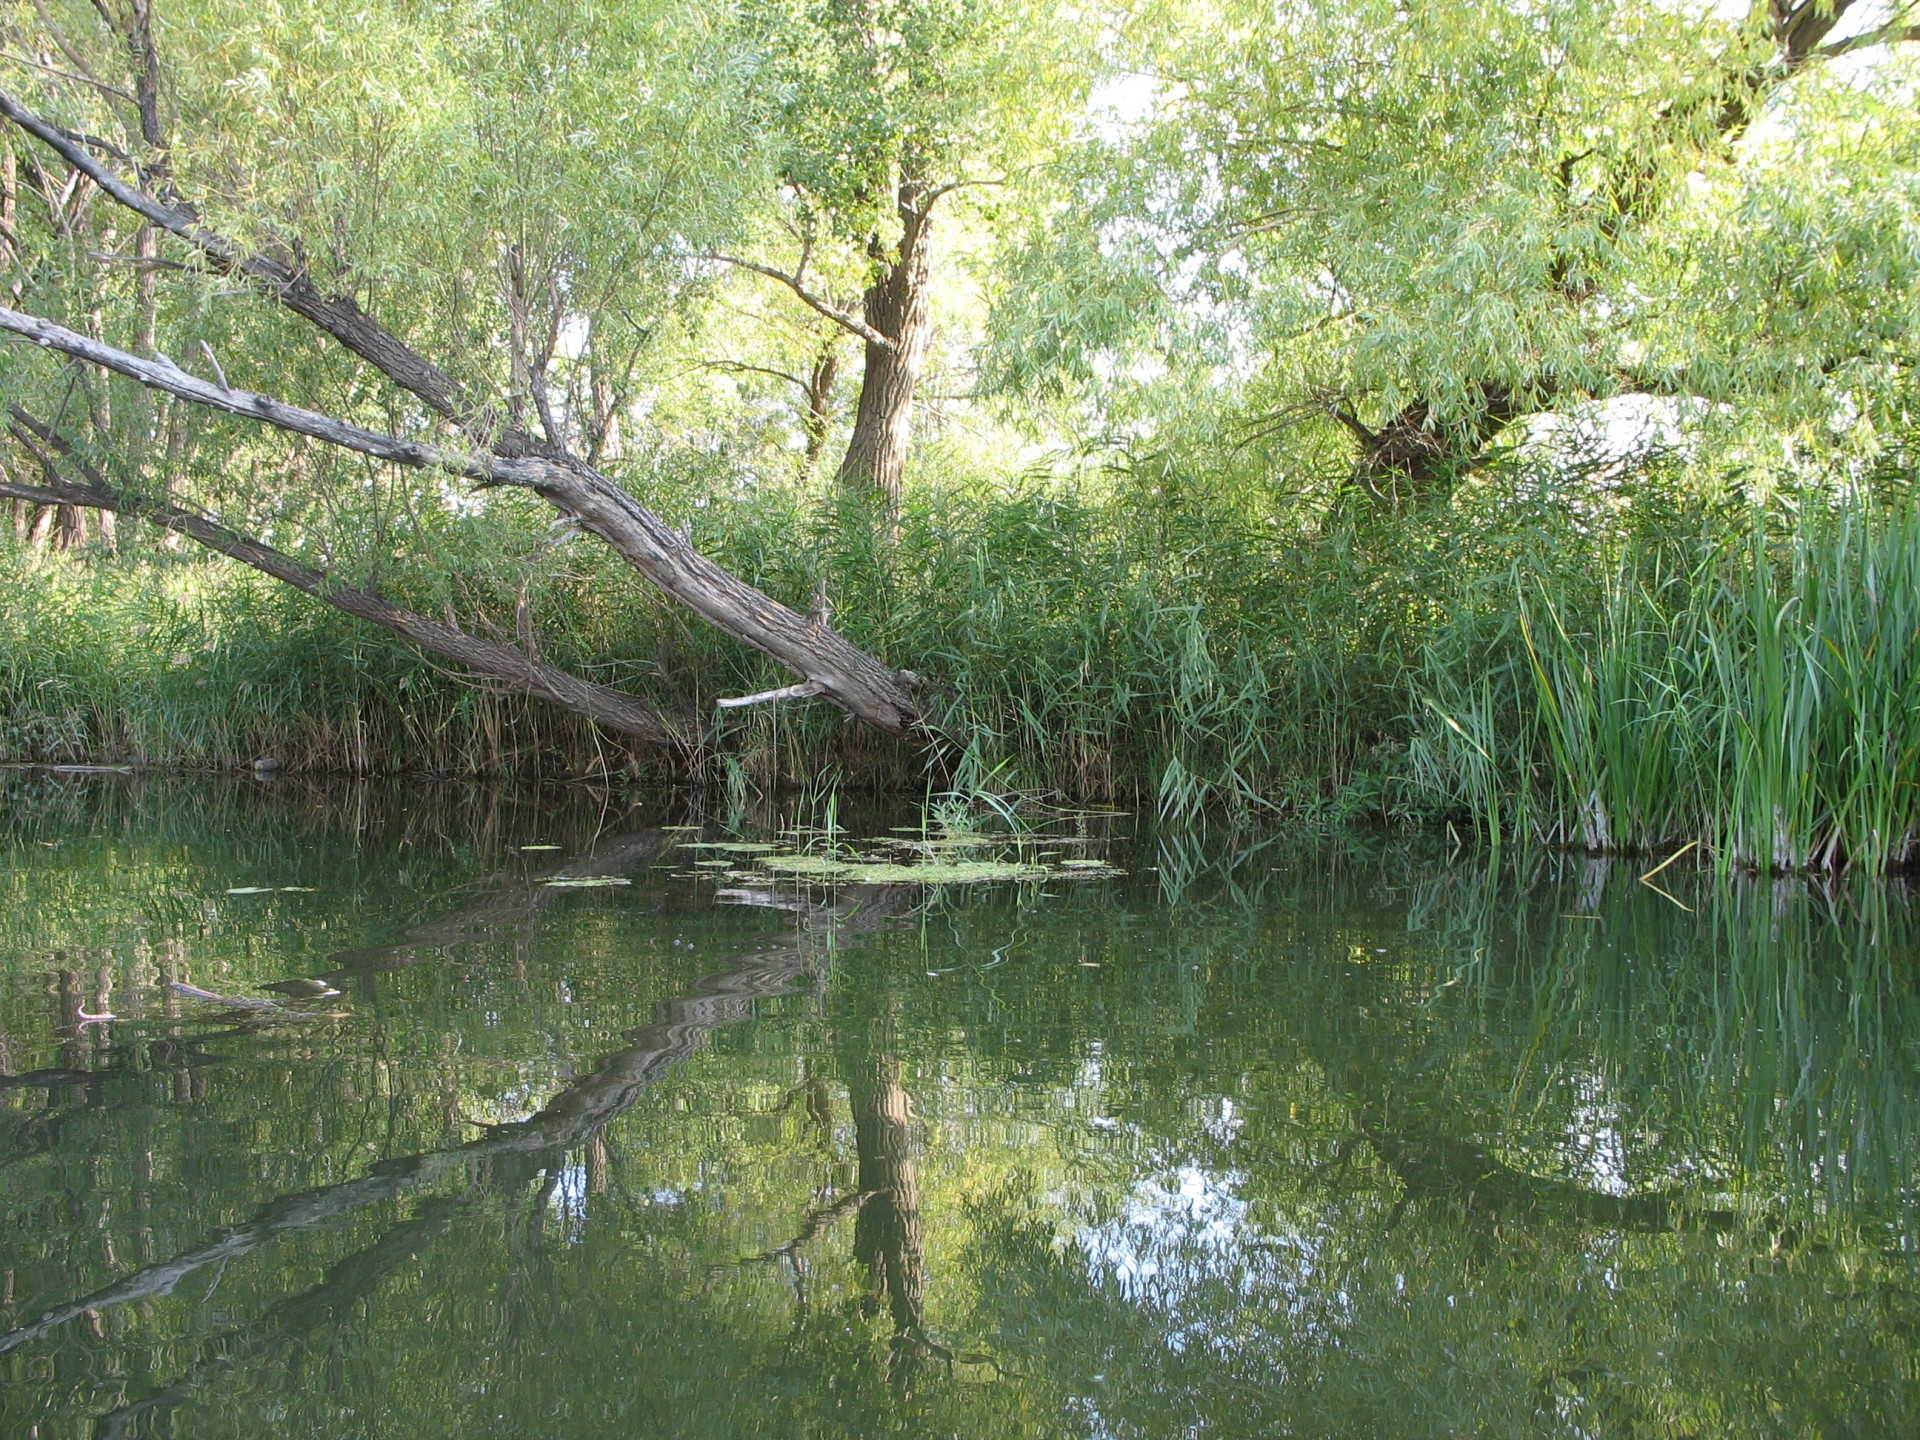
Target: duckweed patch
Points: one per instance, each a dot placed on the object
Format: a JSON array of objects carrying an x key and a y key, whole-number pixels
[{"x": 863, "y": 870}]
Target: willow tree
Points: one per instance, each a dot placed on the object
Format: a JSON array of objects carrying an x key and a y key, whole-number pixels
[
  {"x": 1412, "y": 227},
  {"x": 449, "y": 231},
  {"x": 876, "y": 112}
]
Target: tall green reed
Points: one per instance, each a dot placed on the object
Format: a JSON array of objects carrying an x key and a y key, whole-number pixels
[{"x": 1758, "y": 691}]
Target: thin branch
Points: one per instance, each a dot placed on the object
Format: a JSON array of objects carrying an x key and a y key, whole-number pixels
[
  {"x": 742, "y": 367},
  {"x": 74, "y": 57},
  {"x": 57, "y": 74},
  {"x": 337, "y": 315},
  {"x": 926, "y": 202},
  {"x": 846, "y": 319},
  {"x": 138, "y": 262},
  {"x": 1884, "y": 35},
  {"x": 163, "y": 375}
]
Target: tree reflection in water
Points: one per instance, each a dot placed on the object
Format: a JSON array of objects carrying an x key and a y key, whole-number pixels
[{"x": 1364, "y": 1146}]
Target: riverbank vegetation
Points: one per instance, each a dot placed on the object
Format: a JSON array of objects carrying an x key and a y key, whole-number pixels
[{"x": 1501, "y": 418}]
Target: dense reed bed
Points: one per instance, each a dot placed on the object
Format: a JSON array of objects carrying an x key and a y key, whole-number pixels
[
  {"x": 1753, "y": 688},
  {"x": 1640, "y": 669}
]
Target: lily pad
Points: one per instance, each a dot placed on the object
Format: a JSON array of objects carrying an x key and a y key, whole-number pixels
[
  {"x": 585, "y": 882},
  {"x": 729, "y": 847},
  {"x": 539, "y": 847}
]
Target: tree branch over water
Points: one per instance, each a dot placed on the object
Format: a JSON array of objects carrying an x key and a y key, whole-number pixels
[{"x": 853, "y": 679}]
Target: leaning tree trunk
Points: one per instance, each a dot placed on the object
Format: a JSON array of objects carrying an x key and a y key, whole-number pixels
[
  {"x": 518, "y": 671},
  {"x": 897, "y": 306},
  {"x": 827, "y": 664}
]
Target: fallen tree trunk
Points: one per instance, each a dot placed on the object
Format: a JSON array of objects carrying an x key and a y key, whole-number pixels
[
  {"x": 526, "y": 674},
  {"x": 823, "y": 660}
]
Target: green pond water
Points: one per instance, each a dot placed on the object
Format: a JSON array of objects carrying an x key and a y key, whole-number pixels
[{"x": 1236, "y": 1136}]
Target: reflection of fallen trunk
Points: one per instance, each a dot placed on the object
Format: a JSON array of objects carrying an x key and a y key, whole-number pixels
[
  {"x": 570, "y": 1119},
  {"x": 134, "y": 1060},
  {"x": 1464, "y": 1175},
  {"x": 287, "y": 1321},
  {"x": 504, "y": 904}
]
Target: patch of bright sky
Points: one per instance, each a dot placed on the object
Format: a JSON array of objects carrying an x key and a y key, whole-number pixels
[{"x": 1121, "y": 104}]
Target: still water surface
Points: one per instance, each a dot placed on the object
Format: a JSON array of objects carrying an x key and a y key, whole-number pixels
[{"x": 1259, "y": 1137}]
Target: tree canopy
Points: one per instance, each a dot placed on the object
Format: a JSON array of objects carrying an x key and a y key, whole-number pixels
[{"x": 582, "y": 251}]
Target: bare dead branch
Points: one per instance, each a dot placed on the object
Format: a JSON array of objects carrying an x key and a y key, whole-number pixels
[
  {"x": 806, "y": 690},
  {"x": 164, "y": 375}
]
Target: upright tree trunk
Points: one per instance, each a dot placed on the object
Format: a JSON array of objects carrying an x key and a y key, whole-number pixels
[
  {"x": 820, "y": 381},
  {"x": 896, "y": 305}
]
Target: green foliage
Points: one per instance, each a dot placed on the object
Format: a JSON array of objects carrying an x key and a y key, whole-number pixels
[
  {"x": 1439, "y": 218},
  {"x": 1226, "y": 264},
  {"x": 1755, "y": 686}
]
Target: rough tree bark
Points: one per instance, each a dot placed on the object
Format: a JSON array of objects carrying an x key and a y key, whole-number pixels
[
  {"x": 897, "y": 307},
  {"x": 826, "y": 663}
]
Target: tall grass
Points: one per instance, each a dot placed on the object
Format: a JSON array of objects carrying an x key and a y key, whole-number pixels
[
  {"x": 188, "y": 665},
  {"x": 1628, "y": 669},
  {"x": 1755, "y": 688},
  {"x": 1174, "y": 655}
]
